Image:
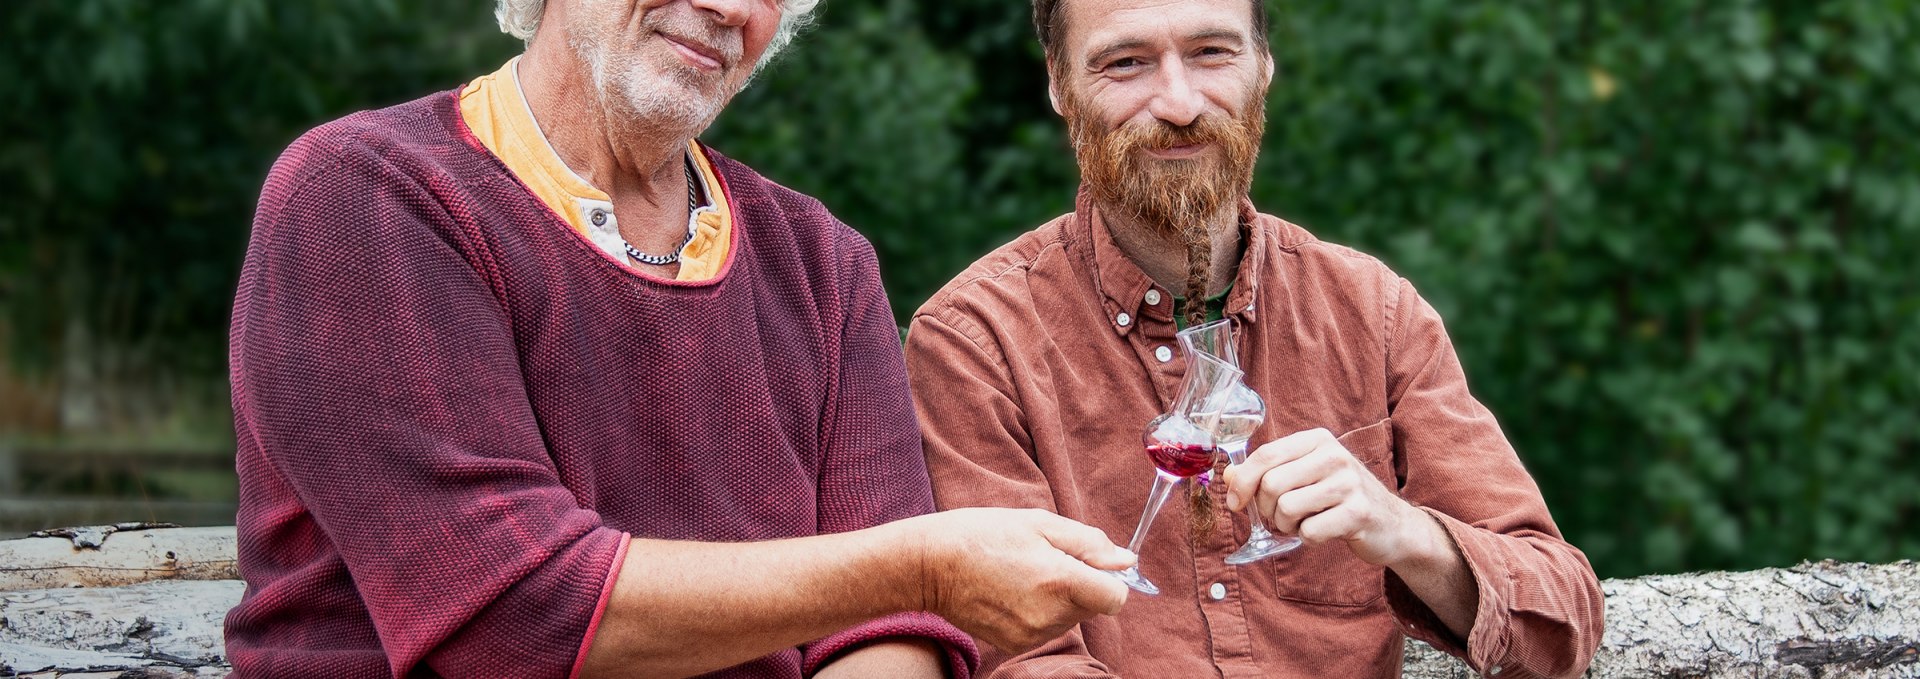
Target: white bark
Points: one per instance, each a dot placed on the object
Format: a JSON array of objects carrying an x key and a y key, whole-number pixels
[
  {"x": 1817, "y": 619},
  {"x": 1822, "y": 619},
  {"x": 122, "y": 558}
]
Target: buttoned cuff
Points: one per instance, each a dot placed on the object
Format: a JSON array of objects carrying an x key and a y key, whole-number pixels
[{"x": 1487, "y": 643}]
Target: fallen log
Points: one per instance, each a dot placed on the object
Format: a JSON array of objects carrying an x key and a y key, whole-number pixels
[
  {"x": 1818, "y": 619},
  {"x": 1815, "y": 620},
  {"x": 162, "y": 628},
  {"x": 100, "y": 556}
]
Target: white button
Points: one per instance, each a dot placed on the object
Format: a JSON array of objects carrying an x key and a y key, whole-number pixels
[
  {"x": 1163, "y": 353},
  {"x": 1495, "y": 670},
  {"x": 1217, "y": 591},
  {"x": 1153, "y": 297},
  {"x": 1123, "y": 319},
  {"x": 598, "y": 217}
]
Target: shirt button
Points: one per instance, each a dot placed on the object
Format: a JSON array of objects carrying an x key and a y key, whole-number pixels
[
  {"x": 598, "y": 217},
  {"x": 1153, "y": 297},
  {"x": 1496, "y": 670},
  {"x": 1123, "y": 319},
  {"x": 1217, "y": 591},
  {"x": 1163, "y": 353}
]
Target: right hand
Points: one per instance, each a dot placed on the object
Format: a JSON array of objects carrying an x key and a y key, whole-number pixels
[{"x": 1016, "y": 578}]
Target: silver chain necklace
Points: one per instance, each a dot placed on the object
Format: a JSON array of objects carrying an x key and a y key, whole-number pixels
[{"x": 693, "y": 204}]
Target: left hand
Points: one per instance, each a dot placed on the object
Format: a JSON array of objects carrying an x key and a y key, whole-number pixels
[{"x": 1308, "y": 484}]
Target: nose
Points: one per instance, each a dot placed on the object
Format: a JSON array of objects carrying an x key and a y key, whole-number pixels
[
  {"x": 1176, "y": 102},
  {"x": 726, "y": 12}
]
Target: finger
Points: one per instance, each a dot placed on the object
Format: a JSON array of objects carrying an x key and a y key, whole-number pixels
[
  {"x": 1337, "y": 523},
  {"x": 1243, "y": 479},
  {"x": 1299, "y": 504},
  {"x": 1279, "y": 481},
  {"x": 1097, "y": 593},
  {"x": 1086, "y": 543}
]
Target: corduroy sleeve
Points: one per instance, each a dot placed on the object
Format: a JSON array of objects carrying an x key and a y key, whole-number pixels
[
  {"x": 1540, "y": 606},
  {"x": 873, "y": 471},
  {"x": 977, "y": 452},
  {"x": 377, "y": 372}
]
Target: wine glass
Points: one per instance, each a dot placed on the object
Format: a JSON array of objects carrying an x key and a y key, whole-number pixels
[
  {"x": 1240, "y": 412},
  {"x": 1180, "y": 444}
]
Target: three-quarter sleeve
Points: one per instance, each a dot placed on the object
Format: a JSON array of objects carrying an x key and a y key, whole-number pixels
[
  {"x": 873, "y": 471},
  {"x": 375, "y": 373}
]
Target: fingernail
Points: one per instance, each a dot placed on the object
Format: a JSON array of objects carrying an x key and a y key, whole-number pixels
[{"x": 1125, "y": 554}]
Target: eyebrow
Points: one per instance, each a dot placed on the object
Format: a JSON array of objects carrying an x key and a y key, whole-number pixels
[{"x": 1125, "y": 45}]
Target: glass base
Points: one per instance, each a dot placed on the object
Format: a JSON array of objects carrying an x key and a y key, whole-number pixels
[
  {"x": 1262, "y": 546},
  {"x": 1134, "y": 579}
]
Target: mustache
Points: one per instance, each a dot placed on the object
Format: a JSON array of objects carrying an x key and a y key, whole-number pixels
[{"x": 1210, "y": 129}]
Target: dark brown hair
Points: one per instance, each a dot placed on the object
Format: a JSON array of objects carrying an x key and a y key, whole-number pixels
[{"x": 1047, "y": 24}]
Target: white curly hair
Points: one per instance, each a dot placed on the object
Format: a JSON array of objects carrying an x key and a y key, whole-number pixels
[{"x": 521, "y": 19}]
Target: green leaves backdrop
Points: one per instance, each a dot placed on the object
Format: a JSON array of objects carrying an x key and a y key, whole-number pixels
[{"x": 1670, "y": 238}]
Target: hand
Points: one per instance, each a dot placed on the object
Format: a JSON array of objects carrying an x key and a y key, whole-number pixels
[
  {"x": 1016, "y": 578},
  {"x": 1309, "y": 485}
]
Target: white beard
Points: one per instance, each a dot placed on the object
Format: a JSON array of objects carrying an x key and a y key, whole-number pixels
[{"x": 631, "y": 91}]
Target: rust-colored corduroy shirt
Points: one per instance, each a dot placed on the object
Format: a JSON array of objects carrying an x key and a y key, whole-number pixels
[{"x": 1036, "y": 370}]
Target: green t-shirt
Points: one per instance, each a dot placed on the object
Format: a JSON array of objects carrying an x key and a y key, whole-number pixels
[{"x": 1216, "y": 308}]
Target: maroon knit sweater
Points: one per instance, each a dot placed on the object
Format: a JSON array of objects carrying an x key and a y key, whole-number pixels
[{"x": 450, "y": 407}]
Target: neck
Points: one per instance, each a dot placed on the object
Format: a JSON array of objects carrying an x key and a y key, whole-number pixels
[
  {"x": 1163, "y": 257},
  {"x": 639, "y": 167}
]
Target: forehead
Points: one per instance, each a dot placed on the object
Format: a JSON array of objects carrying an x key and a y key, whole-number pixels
[{"x": 1090, "y": 23}]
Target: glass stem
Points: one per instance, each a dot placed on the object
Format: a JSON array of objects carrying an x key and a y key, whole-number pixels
[
  {"x": 1236, "y": 454},
  {"x": 1162, "y": 487}
]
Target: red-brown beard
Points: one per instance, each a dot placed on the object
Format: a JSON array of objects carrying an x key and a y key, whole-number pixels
[{"x": 1173, "y": 197}]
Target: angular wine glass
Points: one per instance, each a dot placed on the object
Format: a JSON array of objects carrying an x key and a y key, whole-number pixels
[
  {"x": 1180, "y": 444},
  {"x": 1240, "y": 412}
]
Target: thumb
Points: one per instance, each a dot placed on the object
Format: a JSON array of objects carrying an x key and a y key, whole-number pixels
[{"x": 1086, "y": 543}]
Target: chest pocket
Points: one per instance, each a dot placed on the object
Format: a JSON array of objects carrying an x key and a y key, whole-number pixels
[{"x": 1329, "y": 573}]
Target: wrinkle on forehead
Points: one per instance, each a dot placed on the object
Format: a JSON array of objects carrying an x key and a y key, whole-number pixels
[{"x": 1155, "y": 15}]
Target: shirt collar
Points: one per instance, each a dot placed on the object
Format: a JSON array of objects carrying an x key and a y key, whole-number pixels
[{"x": 1125, "y": 290}]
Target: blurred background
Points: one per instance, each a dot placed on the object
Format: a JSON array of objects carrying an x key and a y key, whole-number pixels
[{"x": 1675, "y": 241}]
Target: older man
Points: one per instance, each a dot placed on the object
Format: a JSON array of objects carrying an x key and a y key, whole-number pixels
[
  {"x": 1037, "y": 368},
  {"x": 528, "y": 383}
]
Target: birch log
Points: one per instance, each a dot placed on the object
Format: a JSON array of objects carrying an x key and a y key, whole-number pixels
[
  {"x": 1815, "y": 620},
  {"x": 1823, "y": 619},
  {"x": 121, "y": 558}
]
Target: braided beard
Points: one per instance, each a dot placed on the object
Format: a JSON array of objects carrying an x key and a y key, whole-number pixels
[{"x": 1175, "y": 198}]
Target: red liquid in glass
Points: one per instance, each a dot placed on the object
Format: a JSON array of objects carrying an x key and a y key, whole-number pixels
[{"x": 1181, "y": 459}]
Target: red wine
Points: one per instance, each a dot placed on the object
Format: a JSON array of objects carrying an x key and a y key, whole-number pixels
[{"x": 1181, "y": 459}]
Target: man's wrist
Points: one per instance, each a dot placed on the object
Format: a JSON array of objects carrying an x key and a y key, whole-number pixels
[
  {"x": 900, "y": 562},
  {"x": 1423, "y": 543}
]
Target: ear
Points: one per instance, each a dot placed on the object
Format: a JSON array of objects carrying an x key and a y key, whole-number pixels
[
  {"x": 1270, "y": 68},
  {"x": 1053, "y": 96}
]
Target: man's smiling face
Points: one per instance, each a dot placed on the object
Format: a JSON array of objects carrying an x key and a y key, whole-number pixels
[{"x": 1165, "y": 100}]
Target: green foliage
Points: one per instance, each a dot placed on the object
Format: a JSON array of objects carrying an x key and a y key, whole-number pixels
[
  {"x": 139, "y": 134},
  {"x": 1669, "y": 237}
]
